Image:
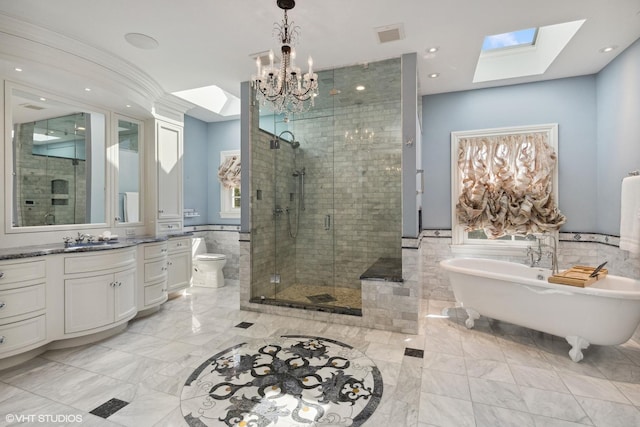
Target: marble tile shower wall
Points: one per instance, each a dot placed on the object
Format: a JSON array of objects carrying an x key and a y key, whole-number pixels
[{"x": 357, "y": 183}]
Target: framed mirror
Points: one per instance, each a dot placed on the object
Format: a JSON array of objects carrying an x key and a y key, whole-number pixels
[
  {"x": 129, "y": 170},
  {"x": 57, "y": 151}
]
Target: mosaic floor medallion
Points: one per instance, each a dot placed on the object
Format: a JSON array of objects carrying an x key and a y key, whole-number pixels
[{"x": 292, "y": 381}]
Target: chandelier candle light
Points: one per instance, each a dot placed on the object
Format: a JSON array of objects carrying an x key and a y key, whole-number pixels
[{"x": 284, "y": 87}]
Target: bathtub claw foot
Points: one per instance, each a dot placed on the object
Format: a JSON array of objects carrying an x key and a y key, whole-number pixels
[
  {"x": 471, "y": 320},
  {"x": 577, "y": 345}
]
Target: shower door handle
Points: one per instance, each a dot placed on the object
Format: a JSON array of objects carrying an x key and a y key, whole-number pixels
[{"x": 327, "y": 222}]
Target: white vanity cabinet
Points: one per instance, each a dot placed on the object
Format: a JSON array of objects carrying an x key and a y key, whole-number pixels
[
  {"x": 152, "y": 275},
  {"x": 178, "y": 264},
  {"x": 22, "y": 305},
  {"x": 99, "y": 289}
]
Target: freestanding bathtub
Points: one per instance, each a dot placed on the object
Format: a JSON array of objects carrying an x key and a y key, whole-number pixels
[{"x": 605, "y": 313}]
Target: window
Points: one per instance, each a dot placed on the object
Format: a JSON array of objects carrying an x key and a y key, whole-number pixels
[
  {"x": 504, "y": 186},
  {"x": 229, "y": 177}
]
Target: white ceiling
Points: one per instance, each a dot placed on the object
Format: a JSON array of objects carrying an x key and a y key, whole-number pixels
[{"x": 205, "y": 42}]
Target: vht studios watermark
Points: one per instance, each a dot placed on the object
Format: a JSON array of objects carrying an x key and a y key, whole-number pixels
[{"x": 43, "y": 418}]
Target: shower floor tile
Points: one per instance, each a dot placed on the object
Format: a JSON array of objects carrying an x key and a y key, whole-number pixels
[{"x": 324, "y": 295}]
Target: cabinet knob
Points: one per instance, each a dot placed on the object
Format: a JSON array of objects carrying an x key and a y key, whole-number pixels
[
  {"x": 2, "y": 305},
  {"x": 160, "y": 210},
  {"x": 117, "y": 219},
  {"x": 1, "y": 274},
  {"x": 2, "y": 339}
]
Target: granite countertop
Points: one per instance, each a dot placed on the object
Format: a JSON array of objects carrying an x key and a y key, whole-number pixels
[{"x": 59, "y": 248}]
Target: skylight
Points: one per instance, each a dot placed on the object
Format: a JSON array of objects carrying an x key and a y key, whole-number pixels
[
  {"x": 530, "y": 54},
  {"x": 212, "y": 98},
  {"x": 526, "y": 37}
]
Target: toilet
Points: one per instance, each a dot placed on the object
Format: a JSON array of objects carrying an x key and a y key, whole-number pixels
[{"x": 207, "y": 268}]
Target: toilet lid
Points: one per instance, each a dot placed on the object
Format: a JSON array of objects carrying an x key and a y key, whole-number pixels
[{"x": 210, "y": 257}]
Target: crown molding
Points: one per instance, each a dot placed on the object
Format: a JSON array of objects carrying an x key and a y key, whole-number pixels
[{"x": 24, "y": 41}]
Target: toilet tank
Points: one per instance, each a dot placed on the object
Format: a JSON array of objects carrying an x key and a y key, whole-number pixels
[{"x": 198, "y": 246}]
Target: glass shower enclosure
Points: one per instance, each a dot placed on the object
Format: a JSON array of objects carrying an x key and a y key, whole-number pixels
[{"x": 326, "y": 190}]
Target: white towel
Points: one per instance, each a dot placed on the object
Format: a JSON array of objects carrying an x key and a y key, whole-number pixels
[
  {"x": 131, "y": 204},
  {"x": 630, "y": 215}
]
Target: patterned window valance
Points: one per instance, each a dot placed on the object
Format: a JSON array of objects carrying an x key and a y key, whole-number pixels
[
  {"x": 229, "y": 172},
  {"x": 507, "y": 185}
]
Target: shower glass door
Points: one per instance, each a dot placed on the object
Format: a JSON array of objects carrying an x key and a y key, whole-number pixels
[{"x": 326, "y": 191}]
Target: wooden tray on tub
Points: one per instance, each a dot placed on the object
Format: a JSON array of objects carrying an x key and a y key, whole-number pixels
[{"x": 578, "y": 275}]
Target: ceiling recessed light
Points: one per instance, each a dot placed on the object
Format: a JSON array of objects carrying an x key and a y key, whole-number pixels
[
  {"x": 432, "y": 50},
  {"x": 360, "y": 88},
  {"x": 141, "y": 41},
  {"x": 87, "y": 89},
  {"x": 128, "y": 105},
  {"x": 43, "y": 99},
  {"x": 608, "y": 49},
  {"x": 434, "y": 75},
  {"x": 18, "y": 69}
]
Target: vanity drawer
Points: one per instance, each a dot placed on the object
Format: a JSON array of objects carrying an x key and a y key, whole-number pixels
[
  {"x": 21, "y": 334},
  {"x": 179, "y": 245},
  {"x": 154, "y": 294},
  {"x": 155, "y": 250},
  {"x": 155, "y": 270},
  {"x": 104, "y": 260},
  {"x": 14, "y": 272},
  {"x": 22, "y": 300},
  {"x": 169, "y": 227}
]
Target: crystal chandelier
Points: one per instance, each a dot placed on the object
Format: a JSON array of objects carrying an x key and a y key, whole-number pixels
[{"x": 284, "y": 89}]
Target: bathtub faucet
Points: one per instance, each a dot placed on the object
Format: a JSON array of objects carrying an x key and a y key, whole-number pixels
[{"x": 535, "y": 255}]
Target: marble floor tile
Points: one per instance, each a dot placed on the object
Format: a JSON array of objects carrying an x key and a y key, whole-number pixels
[
  {"x": 445, "y": 411},
  {"x": 596, "y": 388},
  {"x": 146, "y": 408},
  {"x": 496, "y": 393},
  {"x": 553, "y": 404},
  {"x": 493, "y": 416},
  {"x": 489, "y": 370},
  {"x": 445, "y": 384},
  {"x": 496, "y": 374},
  {"x": 444, "y": 362},
  {"x": 610, "y": 414},
  {"x": 544, "y": 379}
]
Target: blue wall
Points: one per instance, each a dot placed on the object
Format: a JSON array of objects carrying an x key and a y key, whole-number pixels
[
  {"x": 222, "y": 136},
  {"x": 203, "y": 143},
  {"x": 618, "y": 94},
  {"x": 569, "y": 102},
  {"x": 195, "y": 165}
]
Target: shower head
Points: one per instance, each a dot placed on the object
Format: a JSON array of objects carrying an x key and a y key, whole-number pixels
[{"x": 294, "y": 144}]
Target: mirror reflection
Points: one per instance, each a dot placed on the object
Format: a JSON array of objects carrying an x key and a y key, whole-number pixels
[
  {"x": 128, "y": 171},
  {"x": 58, "y": 162}
]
